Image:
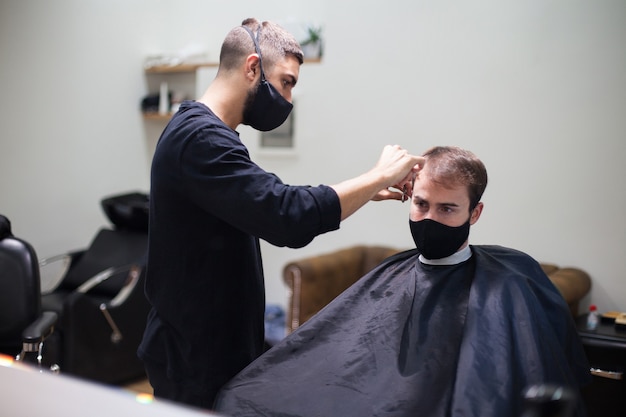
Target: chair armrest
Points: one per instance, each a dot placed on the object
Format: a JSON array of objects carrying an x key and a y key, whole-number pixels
[
  {"x": 40, "y": 329},
  {"x": 131, "y": 281},
  {"x": 52, "y": 270},
  {"x": 34, "y": 335},
  {"x": 326, "y": 275},
  {"x": 132, "y": 278},
  {"x": 315, "y": 281},
  {"x": 134, "y": 273}
]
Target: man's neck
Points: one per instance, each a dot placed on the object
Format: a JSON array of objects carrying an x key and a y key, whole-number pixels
[{"x": 224, "y": 102}]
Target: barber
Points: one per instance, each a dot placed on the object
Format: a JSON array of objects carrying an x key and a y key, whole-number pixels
[{"x": 209, "y": 206}]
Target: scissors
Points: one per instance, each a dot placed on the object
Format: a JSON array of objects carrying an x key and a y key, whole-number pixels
[{"x": 405, "y": 194}]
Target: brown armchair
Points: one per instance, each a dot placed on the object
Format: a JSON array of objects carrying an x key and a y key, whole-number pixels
[{"x": 315, "y": 281}]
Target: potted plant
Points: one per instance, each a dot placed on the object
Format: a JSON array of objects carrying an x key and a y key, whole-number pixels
[{"x": 312, "y": 45}]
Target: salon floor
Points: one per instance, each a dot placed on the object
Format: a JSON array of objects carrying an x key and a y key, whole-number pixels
[{"x": 139, "y": 386}]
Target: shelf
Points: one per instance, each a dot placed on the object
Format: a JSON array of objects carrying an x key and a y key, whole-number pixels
[
  {"x": 157, "y": 116},
  {"x": 168, "y": 69},
  {"x": 186, "y": 68}
]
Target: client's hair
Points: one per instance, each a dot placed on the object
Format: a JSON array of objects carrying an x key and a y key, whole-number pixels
[{"x": 451, "y": 166}]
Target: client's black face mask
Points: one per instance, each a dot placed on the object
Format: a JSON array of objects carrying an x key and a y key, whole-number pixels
[
  {"x": 268, "y": 109},
  {"x": 435, "y": 240}
]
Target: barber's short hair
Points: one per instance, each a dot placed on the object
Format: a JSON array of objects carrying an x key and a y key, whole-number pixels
[
  {"x": 451, "y": 166},
  {"x": 274, "y": 41}
]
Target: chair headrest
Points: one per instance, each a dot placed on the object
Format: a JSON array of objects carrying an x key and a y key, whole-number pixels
[
  {"x": 128, "y": 211},
  {"x": 5, "y": 227}
]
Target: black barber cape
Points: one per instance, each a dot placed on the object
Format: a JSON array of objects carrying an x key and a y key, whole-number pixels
[{"x": 410, "y": 339}]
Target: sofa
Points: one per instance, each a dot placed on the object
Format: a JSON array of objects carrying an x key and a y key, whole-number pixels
[{"x": 315, "y": 281}]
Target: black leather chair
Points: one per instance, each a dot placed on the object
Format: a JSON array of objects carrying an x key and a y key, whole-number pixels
[
  {"x": 23, "y": 325},
  {"x": 100, "y": 299}
]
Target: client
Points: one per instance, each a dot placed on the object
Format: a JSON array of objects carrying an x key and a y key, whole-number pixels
[{"x": 446, "y": 329}]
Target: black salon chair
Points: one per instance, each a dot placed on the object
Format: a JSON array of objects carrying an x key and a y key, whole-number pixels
[
  {"x": 99, "y": 297},
  {"x": 23, "y": 325}
]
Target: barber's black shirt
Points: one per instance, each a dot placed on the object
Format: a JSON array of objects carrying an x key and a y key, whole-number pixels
[{"x": 209, "y": 205}]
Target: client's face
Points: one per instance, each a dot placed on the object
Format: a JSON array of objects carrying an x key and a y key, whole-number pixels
[{"x": 449, "y": 206}]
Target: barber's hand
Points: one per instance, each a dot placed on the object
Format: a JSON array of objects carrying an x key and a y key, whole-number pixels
[
  {"x": 400, "y": 168},
  {"x": 397, "y": 192}
]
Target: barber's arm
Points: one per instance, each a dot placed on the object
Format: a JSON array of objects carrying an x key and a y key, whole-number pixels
[{"x": 395, "y": 168}]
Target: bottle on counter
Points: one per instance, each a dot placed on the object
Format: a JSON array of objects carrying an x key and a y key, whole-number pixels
[{"x": 593, "y": 319}]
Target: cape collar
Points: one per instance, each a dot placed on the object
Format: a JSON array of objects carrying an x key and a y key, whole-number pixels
[{"x": 456, "y": 258}]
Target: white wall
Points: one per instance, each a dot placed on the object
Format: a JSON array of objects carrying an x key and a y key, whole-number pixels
[{"x": 537, "y": 89}]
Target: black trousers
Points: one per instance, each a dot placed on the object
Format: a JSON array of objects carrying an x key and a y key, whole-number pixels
[{"x": 184, "y": 392}]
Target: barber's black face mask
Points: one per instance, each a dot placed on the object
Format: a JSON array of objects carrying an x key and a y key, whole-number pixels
[
  {"x": 435, "y": 240},
  {"x": 268, "y": 109}
]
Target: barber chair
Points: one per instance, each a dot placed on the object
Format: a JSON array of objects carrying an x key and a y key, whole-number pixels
[
  {"x": 315, "y": 281},
  {"x": 23, "y": 325},
  {"x": 98, "y": 295}
]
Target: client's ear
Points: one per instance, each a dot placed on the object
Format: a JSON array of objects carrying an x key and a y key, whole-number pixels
[{"x": 476, "y": 211}]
